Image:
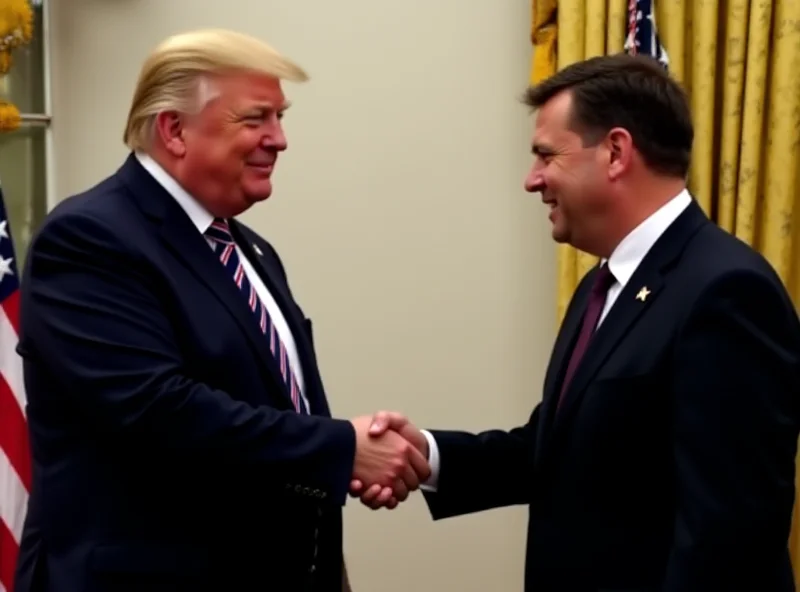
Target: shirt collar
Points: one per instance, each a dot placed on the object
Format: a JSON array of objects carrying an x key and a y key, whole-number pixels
[
  {"x": 635, "y": 246},
  {"x": 199, "y": 216}
]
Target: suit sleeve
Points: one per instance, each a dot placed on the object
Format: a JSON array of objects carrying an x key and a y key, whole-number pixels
[
  {"x": 735, "y": 437},
  {"x": 92, "y": 316},
  {"x": 483, "y": 471}
]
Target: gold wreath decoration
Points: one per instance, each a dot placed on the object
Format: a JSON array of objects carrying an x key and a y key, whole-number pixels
[{"x": 16, "y": 29}]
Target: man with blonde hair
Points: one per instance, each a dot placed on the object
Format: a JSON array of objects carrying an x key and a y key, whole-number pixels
[{"x": 182, "y": 437}]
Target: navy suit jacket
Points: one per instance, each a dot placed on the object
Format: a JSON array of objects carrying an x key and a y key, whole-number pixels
[
  {"x": 670, "y": 466},
  {"x": 166, "y": 451}
]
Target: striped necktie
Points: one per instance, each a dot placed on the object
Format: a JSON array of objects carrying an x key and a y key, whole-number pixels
[{"x": 220, "y": 239}]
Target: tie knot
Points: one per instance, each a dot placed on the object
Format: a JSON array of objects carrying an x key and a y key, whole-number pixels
[
  {"x": 603, "y": 280},
  {"x": 220, "y": 231}
]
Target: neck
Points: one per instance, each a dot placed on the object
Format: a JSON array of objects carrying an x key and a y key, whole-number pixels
[
  {"x": 162, "y": 158},
  {"x": 644, "y": 200}
]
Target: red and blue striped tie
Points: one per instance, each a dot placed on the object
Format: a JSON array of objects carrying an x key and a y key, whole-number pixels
[{"x": 220, "y": 239}]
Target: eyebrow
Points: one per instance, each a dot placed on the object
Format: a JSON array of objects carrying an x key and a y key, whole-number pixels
[{"x": 266, "y": 107}]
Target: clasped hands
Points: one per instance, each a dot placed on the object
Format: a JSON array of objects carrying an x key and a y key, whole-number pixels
[{"x": 391, "y": 459}]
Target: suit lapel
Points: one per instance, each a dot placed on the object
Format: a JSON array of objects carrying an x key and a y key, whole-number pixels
[
  {"x": 565, "y": 341},
  {"x": 633, "y": 301},
  {"x": 278, "y": 289},
  {"x": 624, "y": 313},
  {"x": 182, "y": 238}
]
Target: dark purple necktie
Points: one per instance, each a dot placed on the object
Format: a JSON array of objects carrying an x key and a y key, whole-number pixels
[{"x": 603, "y": 280}]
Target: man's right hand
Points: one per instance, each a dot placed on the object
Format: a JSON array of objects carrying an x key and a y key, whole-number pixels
[
  {"x": 380, "y": 496},
  {"x": 386, "y": 460}
]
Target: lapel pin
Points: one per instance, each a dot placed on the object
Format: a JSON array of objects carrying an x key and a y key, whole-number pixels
[
  {"x": 643, "y": 294},
  {"x": 257, "y": 250}
]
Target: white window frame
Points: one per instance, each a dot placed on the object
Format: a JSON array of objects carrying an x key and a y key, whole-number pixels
[
  {"x": 51, "y": 197},
  {"x": 45, "y": 119}
]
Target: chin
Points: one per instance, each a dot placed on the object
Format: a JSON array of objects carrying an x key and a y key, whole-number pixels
[
  {"x": 559, "y": 235},
  {"x": 258, "y": 193}
]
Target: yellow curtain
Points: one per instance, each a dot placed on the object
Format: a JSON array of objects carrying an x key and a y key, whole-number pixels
[
  {"x": 740, "y": 63},
  {"x": 544, "y": 30}
]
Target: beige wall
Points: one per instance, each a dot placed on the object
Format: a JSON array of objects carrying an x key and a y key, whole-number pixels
[{"x": 399, "y": 212}]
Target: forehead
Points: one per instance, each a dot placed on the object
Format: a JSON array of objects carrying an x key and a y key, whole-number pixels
[
  {"x": 553, "y": 118},
  {"x": 249, "y": 87}
]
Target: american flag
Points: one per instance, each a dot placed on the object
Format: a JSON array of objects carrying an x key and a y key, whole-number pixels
[
  {"x": 15, "y": 464},
  {"x": 642, "y": 35}
]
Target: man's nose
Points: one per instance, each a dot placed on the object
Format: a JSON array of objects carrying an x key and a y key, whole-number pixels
[
  {"x": 274, "y": 139},
  {"x": 534, "y": 182}
]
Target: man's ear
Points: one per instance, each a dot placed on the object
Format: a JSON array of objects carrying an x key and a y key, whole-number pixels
[
  {"x": 169, "y": 128},
  {"x": 619, "y": 145}
]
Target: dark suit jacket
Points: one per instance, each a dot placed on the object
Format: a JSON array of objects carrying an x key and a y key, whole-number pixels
[
  {"x": 166, "y": 453},
  {"x": 671, "y": 463}
]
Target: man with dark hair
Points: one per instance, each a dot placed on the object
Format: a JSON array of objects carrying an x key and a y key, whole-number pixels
[{"x": 662, "y": 455}]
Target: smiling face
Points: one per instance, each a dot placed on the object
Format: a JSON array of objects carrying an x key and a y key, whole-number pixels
[
  {"x": 225, "y": 154},
  {"x": 571, "y": 177}
]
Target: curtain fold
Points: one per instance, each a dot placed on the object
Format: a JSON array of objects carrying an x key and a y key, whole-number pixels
[{"x": 544, "y": 30}]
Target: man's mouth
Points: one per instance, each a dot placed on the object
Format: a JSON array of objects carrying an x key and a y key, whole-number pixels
[
  {"x": 553, "y": 207},
  {"x": 265, "y": 167}
]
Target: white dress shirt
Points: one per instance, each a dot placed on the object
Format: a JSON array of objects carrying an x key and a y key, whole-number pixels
[
  {"x": 202, "y": 219},
  {"x": 622, "y": 264}
]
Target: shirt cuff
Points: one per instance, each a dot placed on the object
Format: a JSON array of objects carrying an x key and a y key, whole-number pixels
[{"x": 432, "y": 482}]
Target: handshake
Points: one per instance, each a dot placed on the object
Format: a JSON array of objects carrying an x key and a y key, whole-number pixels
[{"x": 391, "y": 459}]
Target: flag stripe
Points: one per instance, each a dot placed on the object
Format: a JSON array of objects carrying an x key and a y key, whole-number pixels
[
  {"x": 11, "y": 308},
  {"x": 10, "y": 363},
  {"x": 12, "y": 490},
  {"x": 8, "y": 558},
  {"x": 15, "y": 462},
  {"x": 14, "y": 435}
]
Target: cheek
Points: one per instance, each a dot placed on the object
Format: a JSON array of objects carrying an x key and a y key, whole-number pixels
[
  {"x": 229, "y": 144},
  {"x": 206, "y": 148},
  {"x": 558, "y": 179},
  {"x": 247, "y": 146}
]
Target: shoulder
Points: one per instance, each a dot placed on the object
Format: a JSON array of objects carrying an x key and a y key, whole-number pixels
[
  {"x": 721, "y": 274},
  {"x": 715, "y": 259},
  {"x": 101, "y": 220},
  {"x": 107, "y": 201}
]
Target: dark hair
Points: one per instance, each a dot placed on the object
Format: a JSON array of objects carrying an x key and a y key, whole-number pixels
[{"x": 632, "y": 92}]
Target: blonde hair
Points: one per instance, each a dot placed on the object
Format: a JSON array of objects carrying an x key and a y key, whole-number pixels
[{"x": 174, "y": 76}]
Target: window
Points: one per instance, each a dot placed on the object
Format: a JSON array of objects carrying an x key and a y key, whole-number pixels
[{"x": 23, "y": 153}]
